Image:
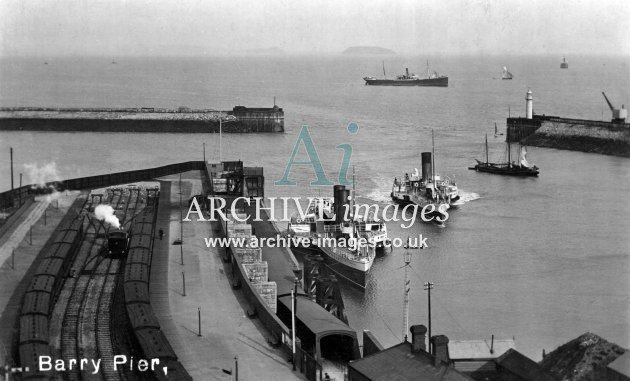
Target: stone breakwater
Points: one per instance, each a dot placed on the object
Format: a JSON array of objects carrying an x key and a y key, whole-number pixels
[
  {"x": 182, "y": 120},
  {"x": 571, "y": 134}
]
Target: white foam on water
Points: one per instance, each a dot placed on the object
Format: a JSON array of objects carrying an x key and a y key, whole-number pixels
[
  {"x": 382, "y": 192},
  {"x": 465, "y": 197}
]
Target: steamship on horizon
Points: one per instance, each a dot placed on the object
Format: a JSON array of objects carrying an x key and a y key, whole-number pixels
[
  {"x": 328, "y": 219},
  {"x": 432, "y": 78}
]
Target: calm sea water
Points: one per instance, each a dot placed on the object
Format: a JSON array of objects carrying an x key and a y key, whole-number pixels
[{"x": 542, "y": 260}]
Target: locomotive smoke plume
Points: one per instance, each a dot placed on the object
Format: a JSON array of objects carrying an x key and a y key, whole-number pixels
[
  {"x": 106, "y": 213},
  {"x": 40, "y": 175}
]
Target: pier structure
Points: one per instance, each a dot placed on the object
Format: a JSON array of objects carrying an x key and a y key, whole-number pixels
[
  {"x": 240, "y": 119},
  {"x": 606, "y": 137},
  {"x": 166, "y": 298},
  {"x": 322, "y": 336}
]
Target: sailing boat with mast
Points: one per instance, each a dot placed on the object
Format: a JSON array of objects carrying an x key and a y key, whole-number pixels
[
  {"x": 506, "y": 74},
  {"x": 523, "y": 168}
]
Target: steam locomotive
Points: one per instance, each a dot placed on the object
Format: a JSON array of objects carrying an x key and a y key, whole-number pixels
[{"x": 117, "y": 242}]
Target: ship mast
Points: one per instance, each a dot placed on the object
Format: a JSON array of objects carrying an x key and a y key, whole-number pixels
[
  {"x": 487, "y": 146},
  {"x": 354, "y": 193},
  {"x": 384, "y": 75},
  {"x": 433, "y": 161}
]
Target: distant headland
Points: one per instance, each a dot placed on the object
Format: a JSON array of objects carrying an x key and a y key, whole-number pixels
[
  {"x": 368, "y": 51},
  {"x": 271, "y": 51}
]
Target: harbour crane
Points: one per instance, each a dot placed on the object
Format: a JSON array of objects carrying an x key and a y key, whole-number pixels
[{"x": 618, "y": 115}]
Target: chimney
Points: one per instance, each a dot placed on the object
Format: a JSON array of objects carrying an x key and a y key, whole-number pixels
[
  {"x": 439, "y": 346},
  {"x": 426, "y": 165},
  {"x": 418, "y": 338}
]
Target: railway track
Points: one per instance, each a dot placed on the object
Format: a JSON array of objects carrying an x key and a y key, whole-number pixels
[{"x": 82, "y": 319}]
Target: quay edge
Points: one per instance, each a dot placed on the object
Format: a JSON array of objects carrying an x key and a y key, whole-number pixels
[
  {"x": 603, "y": 137},
  {"x": 606, "y": 138}
]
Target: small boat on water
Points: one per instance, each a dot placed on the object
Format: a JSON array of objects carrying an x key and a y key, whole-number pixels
[
  {"x": 564, "y": 64},
  {"x": 509, "y": 168},
  {"x": 431, "y": 78},
  {"x": 506, "y": 74}
]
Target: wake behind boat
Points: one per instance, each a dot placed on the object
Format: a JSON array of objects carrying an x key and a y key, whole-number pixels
[
  {"x": 431, "y": 78},
  {"x": 426, "y": 190}
]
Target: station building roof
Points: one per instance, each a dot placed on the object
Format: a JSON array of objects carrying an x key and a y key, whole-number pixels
[
  {"x": 522, "y": 366},
  {"x": 400, "y": 363},
  {"x": 319, "y": 321},
  {"x": 621, "y": 365}
]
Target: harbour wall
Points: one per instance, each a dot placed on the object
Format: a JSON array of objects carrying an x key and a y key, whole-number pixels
[
  {"x": 183, "y": 120},
  {"x": 606, "y": 138}
]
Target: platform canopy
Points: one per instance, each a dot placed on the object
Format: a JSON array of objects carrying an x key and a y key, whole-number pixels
[{"x": 319, "y": 321}]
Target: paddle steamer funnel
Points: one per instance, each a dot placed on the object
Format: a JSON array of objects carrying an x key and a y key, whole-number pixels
[
  {"x": 337, "y": 190},
  {"x": 426, "y": 166},
  {"x": 407, "y": 71},
  {"x": 341, "y": 200},
  {"x": 529, "y": 104}
]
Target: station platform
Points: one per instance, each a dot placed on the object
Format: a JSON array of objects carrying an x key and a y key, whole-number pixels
[{"x": 226, "y": 331}]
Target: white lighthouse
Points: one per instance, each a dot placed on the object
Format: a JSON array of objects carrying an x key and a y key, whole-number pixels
[{"x": 529, "y": 105}]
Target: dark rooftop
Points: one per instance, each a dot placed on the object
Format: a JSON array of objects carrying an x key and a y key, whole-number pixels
[
  {"x": 399, "y": 363},
  {"x": 522, "y": 366},
  {"x": 622, "y": 364},
  {"x": 316, "y": 318}
]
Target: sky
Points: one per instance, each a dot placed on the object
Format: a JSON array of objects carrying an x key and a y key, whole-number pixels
[{"x": 218, "y": 27}]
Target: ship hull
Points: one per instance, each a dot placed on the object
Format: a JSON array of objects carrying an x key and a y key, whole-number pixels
[
  {"x": 437, "y": 82},
  {"x": 344, "y": 272},
  {"x": 406, "y": 199},
  {"x": 505, "y": 171}
]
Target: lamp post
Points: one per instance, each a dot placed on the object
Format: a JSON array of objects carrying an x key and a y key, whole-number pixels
[
  {"x": 20, "y": 189},
  {"x": 294, "y": 316},
  {"x": 294, "y": 290},
  {"x": 11, "y": 154}
]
